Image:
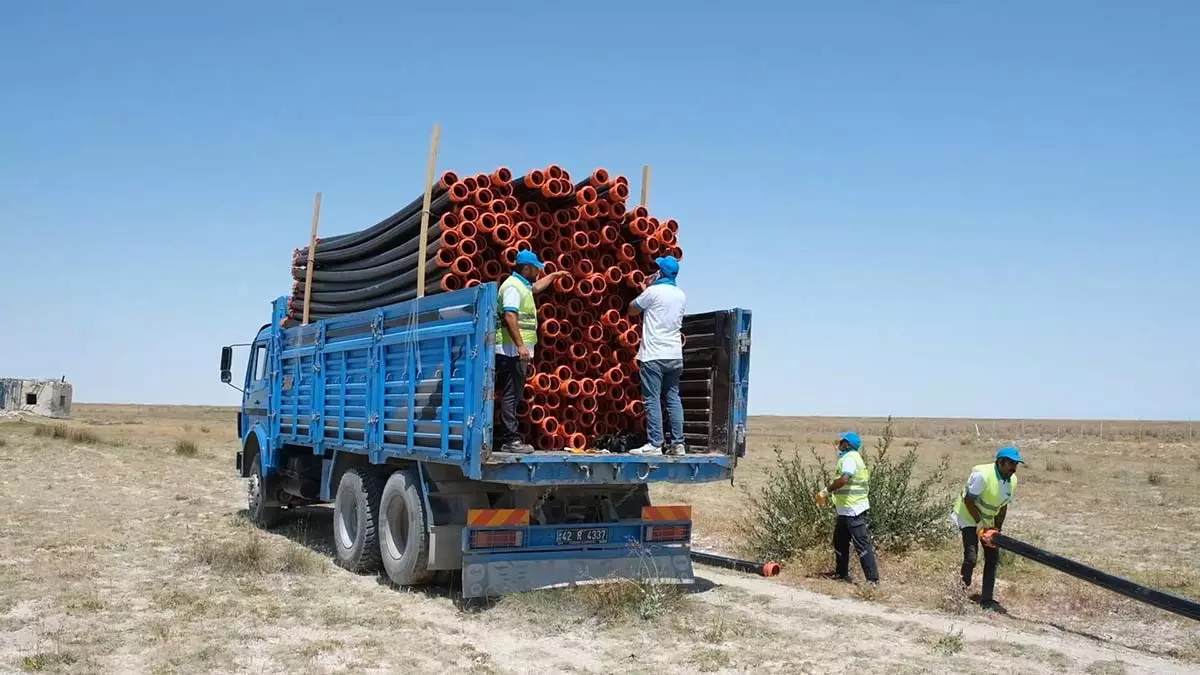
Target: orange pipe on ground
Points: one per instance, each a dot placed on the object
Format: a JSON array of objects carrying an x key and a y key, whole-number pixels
[
  {"x": 594, "y": 239},
  {"x": 636, "y": 278},
  {"x": 471, "y": 183},
  {"x": 554, "y": 171},
  {"x": 540, "y": 381},
  {"x": 640, "y": 212},
  {"x": 563, "y": 373},
  {"x": 666, "y": 237},
  {"x": 503, "y": 219},
  {"x": 621, "y": 191},
  {"x": 483, "y": 180},
  {"x": 587, "y": 420},
  {"x": 589, "y": 212},
  {"x": 599, "y": 285},
  {"x": 601, "y": 389},
  {"x": 471, "y": 283},
  {"x": 550, "y": 189},
  {"x": 497, "y": 207},
  {"x": 503, "y": 191},
  {"x": 580, "y": 369},
  {"x": 624, "y": 325},
  {"x": 468, "y": 229},
  {"x": 545, "y": 220},
  {"x": 584, "y": 268},
  {"x": 594, "y": 360},
  {"x": 640, "y": 227},
  {"x": 551, "y": 328},
  {"x": 562, "y": 217},
  {"x": 650, "y": 247},
  {"x": 584, "y": 287},
  {"x": 573, "y": 215},
  {"x": 575, "y": 307},
  {"x": 607, "y": 260},
  {"x": 614, "y": 376},
  {"x": 549, "y": 425},
  {"x": 535, "y": 179},
  {"x": 604, "y": 208}
]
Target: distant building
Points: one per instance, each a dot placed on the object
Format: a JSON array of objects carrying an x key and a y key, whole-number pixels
[{"x": 48, "y": 398}]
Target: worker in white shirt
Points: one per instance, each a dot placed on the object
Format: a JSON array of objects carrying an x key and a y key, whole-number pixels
[
  {"x": 660, "y": 358},
  {"x": 851, "y": 496}
]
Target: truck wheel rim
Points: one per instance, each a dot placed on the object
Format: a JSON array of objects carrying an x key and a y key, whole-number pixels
[
  {"x": 397, "y": 528},
  {"x": 347, "y": 520},
  {"x": 254, "y": 492}
]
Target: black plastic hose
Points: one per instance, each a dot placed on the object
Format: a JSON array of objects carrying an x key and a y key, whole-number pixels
[
  {"x": 321, "y": 310},
  {"x": 398, "y": 230},
  {"x": 384, "y": 287}
]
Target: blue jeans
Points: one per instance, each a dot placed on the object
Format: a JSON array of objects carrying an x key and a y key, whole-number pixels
[{"x": 661, "y": 379}]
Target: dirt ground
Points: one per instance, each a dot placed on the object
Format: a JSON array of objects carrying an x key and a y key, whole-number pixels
[{"x": 123, "y": 549}]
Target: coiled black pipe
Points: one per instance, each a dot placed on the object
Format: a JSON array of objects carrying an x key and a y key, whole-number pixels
[
  {"x": 383, "y": 287},
  {"x": 321, "y": 310},
  {"x": 373, "y": 274},
  {"x": 400, "y": 227}
]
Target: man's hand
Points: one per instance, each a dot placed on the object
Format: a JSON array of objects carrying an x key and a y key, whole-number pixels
[
  {"x": 547, "y": 279},
  {"x": 525, "y": 353},
  {"x": 821, "y": 497}
]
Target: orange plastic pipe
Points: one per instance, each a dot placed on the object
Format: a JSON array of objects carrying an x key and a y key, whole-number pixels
[
  {"x": 595, "y": 361},
  {"x": 614, "y": 376},
  {"x": 523, "y": 230},
  {"x": 511, "y": 203},
  {"x": 564, "y": 284},
  {"x": 587, "y": 420},
  {"x": 460, "y": 192},
  {"x": 450, "y": 238},
  {"x": 577, "y": 441},
  {"x": 530, "y": 210},
  {"x": 492, "y": 269},
  {"x": 451, "y": 283},
  {"x": 449, "y": 219},
  {"x": 535, "y": 179},
  {"x": 537, "y": 413},
  {"x": 573, "y": 214},
  {"x": 604, "y": 208},
  {"x": 610, "y": 318},
  {"x": 578, "y": 352},
  {"x": 554, "y": 171},
  {"x": 598, "y": 178},
  {"x": 463, "y": 266},
  {"x": 570, "y": 388},
  {"x": 545, "y": 220},
  {"x": 445, "y": 257},
  {"x": 501, "y": 176},
  {"x": 579, "y": 240},
  {"x": 468, "y": 248},
  {"x": 510, "y": 256},
  {"x": 562, "y": 373},
  {"x": 584, "y": 268},
  {"x": 635, "y": 408},
  {"x": 595, "y": 333},
  {"x": 586, "y": 195},
  {"x": 503, "y": 236},
  {"x": 575, "y": 307},
  {"x": 589, "y": 404},
  {"x": 594, "y": 239},
  {"x": 468, "y": 212},
  {"x": 584, "y": 287},
  {"x": 482, "y": 197},
  {"x": 609, "y": 234},
  {"x": 448, "y": 179},
  {"x": 562, "y": 217},
  {"x": 588, "y": 385},
  {"x": 497, "y": 207},
  {"x": 549, "y": 425},
  {"x": 601, "y": 389}
]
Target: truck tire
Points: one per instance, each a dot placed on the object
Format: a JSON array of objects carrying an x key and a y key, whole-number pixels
[
  {"x": 355, "y": 521},
  {"x": 261, "y": 504},
  {"x": 404, "y": 531}
]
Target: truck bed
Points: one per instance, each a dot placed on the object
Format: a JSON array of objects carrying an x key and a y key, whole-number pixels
[{"x": 415, "y": 381}]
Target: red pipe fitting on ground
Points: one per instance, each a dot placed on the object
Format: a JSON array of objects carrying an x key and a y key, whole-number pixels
[
  {"x": 615, "y": 376},
  {"x": 609, "y": 234},
  {"x": 575, "y": 307},
  {"x": 601, "y": 390},
  {"x": 584, "y": 268},
  {"x": 545, "y": 220},
  {"x": 482, "y": 198},
  {"x": 584, "y": 287},
  {"x": 563, "y": 373},
  {"x": 537, "y": 413},
  {"x": 627, "y": 253},
  {"x": 549, "y": 425},
  {"x": 562, "y": 217},
  {"x": 579, "y": 240},
  {"x": 604, "y": 209},
  {"x": 599, "y": 178},
  {"x": 595, "y": 361},
  {"x": 509, "y": 256},
  {"x": 554, "y": 171},
  {"x": 577, "y": 441},
  {"x": 617, "y": 210},
  {"x": 530, "y": 210},
  {"x": 640, "y": 227},
  {"x": 471, "y": 183},
  {"x": 511, "y": 203}
]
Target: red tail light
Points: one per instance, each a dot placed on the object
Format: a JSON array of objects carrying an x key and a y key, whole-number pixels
[
  {"x": 668, "y": 532},
  {"x": 496, "y": 539}
]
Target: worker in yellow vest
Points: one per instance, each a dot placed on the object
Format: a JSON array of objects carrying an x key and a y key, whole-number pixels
[
  {"x": 516, "y": 336},
  {"x": 982, "y": 506},
  {"x": 850, "y": 492}
]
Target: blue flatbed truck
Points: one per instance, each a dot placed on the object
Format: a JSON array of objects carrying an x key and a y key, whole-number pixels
[{"x": 387, "y": 414}]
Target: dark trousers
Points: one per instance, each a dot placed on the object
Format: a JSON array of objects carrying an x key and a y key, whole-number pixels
[
  {"x": 856, "y": 530},
  {"x": 991, "y": 559},
  {"x": 510, "y": 387}
]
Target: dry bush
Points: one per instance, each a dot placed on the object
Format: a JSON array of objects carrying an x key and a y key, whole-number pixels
[
  {"x": 907, "y": 511},
  {"x": 63, "y": 432},
  {"x": 1156, "y": 478},
  {"x": 253, "y": 554},
  {"x": 47, "y": 661},
  {"x": 3, "y": 442},
  {"x": 205, "y": 430},
  {"x": 186, "y": 448},
  {"x": 949, "y": 644}
]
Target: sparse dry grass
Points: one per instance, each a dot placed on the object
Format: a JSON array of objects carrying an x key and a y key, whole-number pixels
[
  {"x": 118, "y": 555},
  {"x": 185, "y": 447}
]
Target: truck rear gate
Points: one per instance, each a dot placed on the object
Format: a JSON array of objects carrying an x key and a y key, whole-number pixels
[{"x": 408, "y": 388}]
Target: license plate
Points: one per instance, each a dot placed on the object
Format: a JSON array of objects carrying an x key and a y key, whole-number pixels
[{"x": 583, "y": 535}]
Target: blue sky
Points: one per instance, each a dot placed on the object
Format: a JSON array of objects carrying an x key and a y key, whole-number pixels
[{"x": 937, "y": 208}]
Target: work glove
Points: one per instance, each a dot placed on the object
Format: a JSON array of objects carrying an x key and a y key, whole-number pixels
[
  {"x": 985, "y": 536},
  {"x": 821, "y": 497}
]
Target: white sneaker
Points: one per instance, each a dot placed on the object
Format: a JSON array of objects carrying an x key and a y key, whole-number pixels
[
  {"x": 677, "y": 450},
  {"x": 646, "y": 449}
]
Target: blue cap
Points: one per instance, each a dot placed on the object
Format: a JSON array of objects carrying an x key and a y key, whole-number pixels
[
  {"x": 1009, "y": 452},
  {"x": 852, "y": 438},
  {"x": 668, "y": 265},
  {"x": 527, "y": 257}
]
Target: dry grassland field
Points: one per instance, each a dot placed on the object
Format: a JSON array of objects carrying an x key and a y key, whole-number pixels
[{"x": 124, "y": 549}]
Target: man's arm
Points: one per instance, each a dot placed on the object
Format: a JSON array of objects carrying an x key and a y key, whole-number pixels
[
  {"x": 544, "y": 283},
  {"x": 639, "y": 304},
  {"x": 1000, "y": 517},
  {"x": 837, "y": 484}
]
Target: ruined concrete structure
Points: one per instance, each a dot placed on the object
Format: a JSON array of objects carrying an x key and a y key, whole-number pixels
[{"x": 49, "y": 398}]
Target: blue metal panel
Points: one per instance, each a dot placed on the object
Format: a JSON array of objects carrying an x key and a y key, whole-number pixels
[{"x": 568, "y": 469}]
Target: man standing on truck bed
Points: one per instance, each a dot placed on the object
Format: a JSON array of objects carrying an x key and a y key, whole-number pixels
[
  {"x": 517, "y": 337},
  {"x": 660, "y": 357}
]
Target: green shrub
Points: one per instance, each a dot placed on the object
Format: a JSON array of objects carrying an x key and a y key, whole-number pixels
[{"x": 907, "y": 511}]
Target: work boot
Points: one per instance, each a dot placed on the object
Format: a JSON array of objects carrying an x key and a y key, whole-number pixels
[
  {"x": 517, "y": 448},
  {"x": 677, "y": 450},
  {"x": 993, "y": 606},
  {"x": 647, "y": 449}
]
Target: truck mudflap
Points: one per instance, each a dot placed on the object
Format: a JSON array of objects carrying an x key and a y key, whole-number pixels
[{"x": 503, "y": 554}]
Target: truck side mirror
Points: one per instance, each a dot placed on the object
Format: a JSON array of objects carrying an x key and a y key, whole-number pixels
[{"x": 226, "y": 363}]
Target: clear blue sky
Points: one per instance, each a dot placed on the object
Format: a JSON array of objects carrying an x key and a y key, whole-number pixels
[{"x": 937, "y": 208}]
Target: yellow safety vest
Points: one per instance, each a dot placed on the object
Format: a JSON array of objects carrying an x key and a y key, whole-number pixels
[
  {"x": 526, "y": 313},
  {"x": 855, "y": 491},
  {"x": 990, "y": 501}
]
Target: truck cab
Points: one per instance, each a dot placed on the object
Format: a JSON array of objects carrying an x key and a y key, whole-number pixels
[{"x": 387, "y": 414}]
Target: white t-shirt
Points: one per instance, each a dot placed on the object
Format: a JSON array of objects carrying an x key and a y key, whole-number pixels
[
  {"x": 662, "y": 308},
  {"x": 510, "y": 300},
  {"x": 848, "y": 465},
  {"x": 975, "y": 488}
]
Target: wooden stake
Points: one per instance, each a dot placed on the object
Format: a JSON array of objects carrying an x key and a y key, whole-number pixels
[
  {"x": 646, "y": 185},
  {"x": 312, "y": 254},
  {"x": 433, "y": 148}
]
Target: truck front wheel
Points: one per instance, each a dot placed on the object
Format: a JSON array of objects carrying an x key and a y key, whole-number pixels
[
  {"x": 403, "y": 530},
  {"x": 355, "y": 521},
  {"x": 261, "y": 499}
]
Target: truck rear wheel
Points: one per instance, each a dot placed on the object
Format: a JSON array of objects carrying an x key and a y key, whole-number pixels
[
  {"x": 261, "y": 499},
  {"x": 355, "y": 521},
  {"x": 404, "y": 531}
]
